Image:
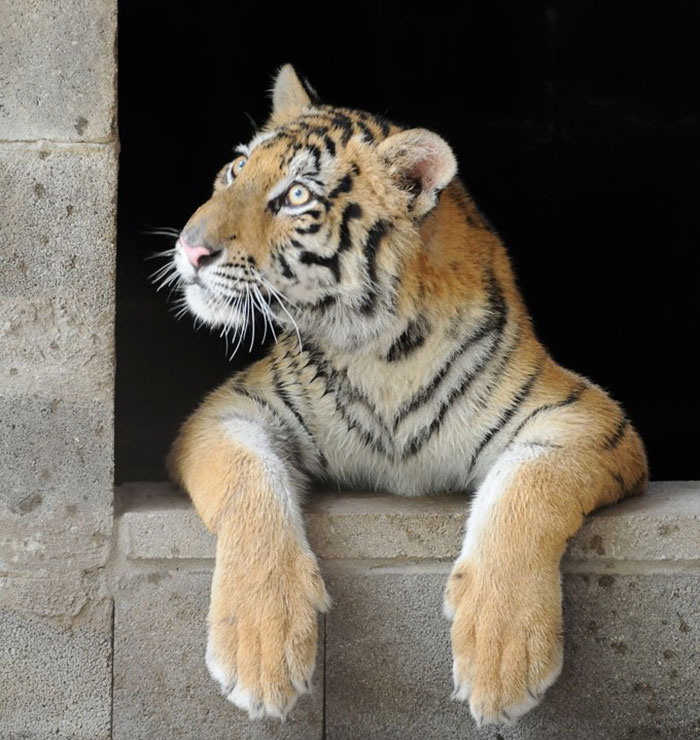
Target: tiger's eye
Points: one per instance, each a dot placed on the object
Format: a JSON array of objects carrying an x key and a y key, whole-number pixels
[
  {"x": 235, "y": 167},
  {"x": 298, "y": 195}
]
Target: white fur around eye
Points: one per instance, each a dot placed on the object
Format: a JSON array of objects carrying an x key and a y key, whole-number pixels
[{"x": 234, "y": 168}]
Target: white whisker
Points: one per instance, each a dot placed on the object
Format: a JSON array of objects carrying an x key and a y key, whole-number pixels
[
  {"x": 164, "y": 253},
  {"x": 291, "y": 318},
  {"x": 162, "y": 231},
  {"x": 252, "y": 321}
]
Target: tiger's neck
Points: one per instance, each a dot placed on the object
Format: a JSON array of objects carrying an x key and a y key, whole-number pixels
[{"x": 445, "y": 276}]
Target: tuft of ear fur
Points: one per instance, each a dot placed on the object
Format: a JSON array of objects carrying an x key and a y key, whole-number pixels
[
  {"x": 422, "y": 163},
  {"x": 290, "y": 95}
]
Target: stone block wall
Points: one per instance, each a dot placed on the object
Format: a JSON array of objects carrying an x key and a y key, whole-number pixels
[{"x": 58, "y": 179}]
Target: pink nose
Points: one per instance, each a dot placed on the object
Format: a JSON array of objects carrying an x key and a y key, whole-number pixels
[{"x": 194, "y": 254}]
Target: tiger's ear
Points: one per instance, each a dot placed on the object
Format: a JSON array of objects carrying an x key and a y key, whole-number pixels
[
  {"x": 290, "y": 95},
  {"x": 422, "y": 163}
]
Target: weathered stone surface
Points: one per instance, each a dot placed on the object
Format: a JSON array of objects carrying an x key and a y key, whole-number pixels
[
  {"x": 156, "y": 521},
  {"x": 55, "y": 483},
  {"x": 159, "y": 522},
  {"x": 54, "y": 682},
  {"x": 57, "y": 75},
  {"x": 57, "y": 281},
  {"x": 161, "y": 686},
  {"x": 632, "y": 643},
  {"x": 58, "y": 70},
  {"x": 372, "y": 525},
  {"x": 388, "y": 665},
  {"x": 661, "y": 526},
  {"x": 56, "y": 420},
  {"x": 57, "y": 367}
]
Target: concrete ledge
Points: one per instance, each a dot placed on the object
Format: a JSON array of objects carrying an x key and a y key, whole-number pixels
[
  {"x": 631, "y": 608},
  {"x": 157, "y": 522}
]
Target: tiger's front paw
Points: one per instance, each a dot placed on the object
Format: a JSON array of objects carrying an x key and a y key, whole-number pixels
[
  {"x": 263, "y": 633},
  {"x": 506, "y": 638}
]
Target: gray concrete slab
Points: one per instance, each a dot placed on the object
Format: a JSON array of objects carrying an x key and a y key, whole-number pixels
[
  {"x": 56, "y": 374},
  {"x": 55, "y": 482},
  {"x": 662, "y": 526},
  {"x": 632, "y": 648},
  {"x": 57, "y": 70},
  {"x": 57, "y": 281},
  {"x": 54, "y": 682},
  {"x": 161, "y": 686}
]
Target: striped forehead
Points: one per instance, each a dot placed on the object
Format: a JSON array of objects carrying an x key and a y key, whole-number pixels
[
  {"x": 308, "y": 146},
  {"x": 329, "y": 127},
  {"x": 292, "y": 156},
  {"x": 295, "y": 155}
]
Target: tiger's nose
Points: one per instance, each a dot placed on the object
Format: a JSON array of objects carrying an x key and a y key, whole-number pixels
[{"x": 198, "y": 255}]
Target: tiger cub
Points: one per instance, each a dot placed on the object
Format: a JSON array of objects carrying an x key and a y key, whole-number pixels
[{"x": 405, "y": 361}]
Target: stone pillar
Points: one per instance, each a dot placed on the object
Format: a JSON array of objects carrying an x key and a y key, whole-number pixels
[{"x": 58, "y": 165}]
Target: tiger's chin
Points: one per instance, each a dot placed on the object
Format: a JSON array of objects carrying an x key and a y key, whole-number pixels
[{"x": 211, "y": 310}]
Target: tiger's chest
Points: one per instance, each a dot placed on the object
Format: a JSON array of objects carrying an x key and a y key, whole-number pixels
[{"x": 410, "y": 426}]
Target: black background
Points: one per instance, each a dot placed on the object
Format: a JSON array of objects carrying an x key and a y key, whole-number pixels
[{"x": 577, "y": 128}]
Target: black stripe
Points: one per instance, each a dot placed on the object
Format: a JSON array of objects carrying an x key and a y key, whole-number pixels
[
  {"x": 618, "y": 479},
  {"x": 322, "y": 133},
  {"x": 616, "y": 437},
  {"x": 410, "y": 340},
  {"x": 344, "y": 186},
  {"x": 515, "y": 404},
  {"x": 383, "y": 125},
  {"x": 286, "y": 399},
  {"x": 330, "y": 144},
  {"x": 286, "y": 269},
  {"x": 345, "y": 394},
  {"x": 324, "y": 304},
  {"x": 368, "y": 437},
  {"x": 352, "y": 210},
  {"x": 494, "y": 323},
  {"x": 331, "y": 263},
  {"x": 323, "y": 201},
  {"x": 344, "y": 123},
  {"x": 294, "y": 360},
  {"x": 291, "y": 435},
  {"x": 465, "y": 383},
  {"x": 481, "y": 401},
  {"x": 573, "y": 396},
  {"x": 367, "y": 134},
  {"x": 376, "y": 120},
  {"x": 311, "y": 229},
  {"x": 637, "y": 485},
  {"x": 370, "y": 250}
]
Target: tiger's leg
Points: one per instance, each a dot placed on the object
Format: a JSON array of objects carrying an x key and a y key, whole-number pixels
[
  {"x": 266, "y": 589},
  {"x": 504, "y": 593}
]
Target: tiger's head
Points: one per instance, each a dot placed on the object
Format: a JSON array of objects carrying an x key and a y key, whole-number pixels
[{"x": 312, "y": 220}]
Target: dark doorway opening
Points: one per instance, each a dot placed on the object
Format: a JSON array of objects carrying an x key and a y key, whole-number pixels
[{"x": 577, "y": 129}]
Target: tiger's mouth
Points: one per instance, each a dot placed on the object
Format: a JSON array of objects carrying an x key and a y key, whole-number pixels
[
  {"x": 245, "y": 307},
  {"x": 236, "y": 302}
]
